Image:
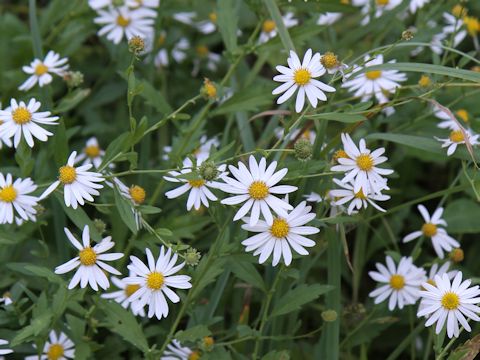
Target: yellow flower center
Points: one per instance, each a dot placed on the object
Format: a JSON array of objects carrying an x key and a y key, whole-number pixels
[
  {"x": 130, "y": 289},
  {"x": 202, "y": 51},
  {"x": 459, "y": 11},
  {"x": 138, "y": 194},
  {"x": 21, "y": 115},
  {"x": 457, "y": 136},
  {"x": 55, "y": 352},
  {"x": 196, "y": 183},
  {"x": 258, "y": 190},
  {"x": 155, "y": 280},
  {"x": 41, "y": 69},
  {"x": 123, "y": 22},
  {"x": 397, "y": 282},
  {"x": 279, "y": 228},
  {"x": 268, "y": 26},
  {"x": 302, "y": 77},
  {"x": 208, "y": 341},
  {"x": 213, "y": 17},
  {"x": 424, "y": 81},
  {"x": 432, "y": 282},
  {"x": 463, "y": 114},
  {"x": 472, "y": 24},
  {"x": 67, "y": 174},
  {"x": 194, "y": 356},
  {"x": 8, "y": 194},
  {"x": 340, "y": 154},
  {"x": 457, "y": 255},
  {"x": 382, "y": 2},
  {"x": 161, "y": 39},
  {"x": 87, "y": 256},
  {"x": 92, "y": 151},
  {"x": 365, "y": 162},
  {"x": 429, "y": 229},
  {"x": 329, "y": 60},
  {"x": 209, "y": 89},
  {"x": 450, "y": 300},
  {"x": 373, "y": 74},
  {"x": 360, "y": 195}
]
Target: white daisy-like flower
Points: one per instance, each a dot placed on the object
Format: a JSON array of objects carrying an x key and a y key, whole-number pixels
[
  {"x": 5, "y": 141},
  {"x": 314, "y": 197},
  {"x": 447, "y": 122},
  {"x": 78, "y": 183},
  {"x": 4, "y": 351},
  {"x": 361, "y": 166},
  {"x": 59, "y": 347},
  {"x": 371, "y": 83},
  {"x": 124, "y": 22},
  {"x": 328, "y": 18},
  {"x": 255, "y": 187},
  {"x": 458, "y": 137},
  {"x": 401, "y": 283},
  {"x": 281, "y": 236},
  {"x": 178, "y": 53},
  {"x": 198, "y": 188},
  {"x": 454, "y": 25},
  {"x": 208, "y": 26},
  {"x": 449, "y": 303},
  {"x": 358, "y": 200},
  {"x": 309, "y": 135},
  {"x": 6, "y": 299},
  {"x": 269, "y": 28},
  {"x": 155, "y": 282},
  {"x": 123, "y": 295},
  {"x": 20, "y": 118},
  {"x": 331, "y": 63},
  {"x": 441, "y": 241},
  {"x": 90, "y": 261},
  {"x": 91, "y": 154},
  {"x": 380, "y": 6},
  {"x": 436, "y": 270},
  {"x": 185, "y": 17},
  {"x": 136, "y": 195},
  {"x": 41, "y": 71},
  {"x": 175, "y": 351},
  {"x": 202, "y": 152},
  {"x": 14, "y": 198},
  {"x": 301, "y": 76},
  {"x": 417, "y": 4},
  {"x": 204, "y": 55}
]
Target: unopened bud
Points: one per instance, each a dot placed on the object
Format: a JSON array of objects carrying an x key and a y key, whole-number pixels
[
  {"x": 192, "y": 257},
  {"x": 209, "y": 90},
  {"x": 329, "y": 315},
  {"x": 456, "y": 255},
  {"x": 303, "y": 150},
  {"x": 136, "y": 45},
  {"x": 208, "y": 170},
  {"x": 407, "y": 35},
  {"x": 100, "y": 226},
  {"x": 73, "y": 78}
]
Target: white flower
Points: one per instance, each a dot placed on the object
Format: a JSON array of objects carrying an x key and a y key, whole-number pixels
[
  {"x": 457, "y": 137},
  {"x": 185, "y": 17},
  {"x": 5, "y": 351},
  {"x": 202, "y": 152},
  {"x": 449, "y": 303},
  {"x": 435, "y": 270},
  {"x": 379, "y": 8},
  {"x": 79, "y": 184},
  {"x": 448, "y": 122},
  {"x": 329, "y": 18},
  {"x": 123, "y": 295},
  {"x": 440, "y": 239},
  {"x": 120, "y": 22},
  {"x": 155, "y": 282},
  {"x": 374, "y": 82},
  {"x": 6, "y": 299},
  {"x": 358, "y": 200},
  {"x": 90, "y": 261},
  {"x": 302, "y": 76},
  {"x": 58, "y": 347},
  {"x": 401, "y": 283},
  {"x": 136, "y": 195},
  {"x": 175, "y": 351},
  {"x": 417, "y": 4},
  {"x": 205, "y": 55},
  {"x": 198, "y": 187},
  {"x": 18, "y": 119},
  {"x": 255, "y": 188},
  {"x": 453, "y": 26},
  {"x": 314, "y": 197},
  {"x": 361, "y": 166},
  {"x": 178, "y": 53},
  {"x": 40, "y": 70},
  {"x": 281, "y": 235},
  {"x": 309, "y": 135},
  {"x": 91, "y": 154},
  {"x": 269, "y": 28},
  {"x": 14, "y": 196}
]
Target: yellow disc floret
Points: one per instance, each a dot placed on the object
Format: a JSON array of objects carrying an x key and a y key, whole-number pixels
[
  {"x": 373, "y": 74},
  {"x": 365, "y": 162},
  {"x": 302, "y": 76},
  {"x": 55, "y": 352},
  {"x": 155, "y": 280},
  {"x": 196, "y": 183},
  {"x": 67, "y": 174},
  {"x": 429, "y": 229},
  {"x": 463, "y": 114},
  {"x": 21, "y": 115},
  {"x": 450, "y": 300},
  {"x": 457, "y": 136},
  {"x": 360, "y": 195},
  {"x": 130, "y": 289},
  {"x": 92, "y": 151},
  {"x": 279, "y": 228},
  {"x": 258, "y": 190},
  {"x": 8, "y": 194},
  {"x": 202, "y": 51},
  {"x": 138, "y": 194},
  {"x": 213, "y": 17},
  {"x": 88, "y": 256},
  {"x": 382, "y": 2},
  {"x": 329, "y": 60},
  {"x": 194, "y": 356},
  {"x": 268, "y": 26},
  {"x": 397, "y": 282},
  {"x": 123, "y": 22},
  {"x": 425, "y": 81},
  {"x": 340, "y": 154},
  {"x": 41, "y": 69}
]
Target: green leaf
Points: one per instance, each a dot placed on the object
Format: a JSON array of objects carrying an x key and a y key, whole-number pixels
[
  {"x": 72, "y": 100},
  {"x": 462, "y": 216},
  {"x": 277, "y": 355},
  {"x": 38, "y": 324},
  {"x": 155, "y": 98},
  {"x": 282, "y": 30},
  {"x": 192, "y": 334},
  {"x": 125, "y": 210},
  {"x": 249, "y": 99},
  {"x": 117, "y": 146},
  {"x": 35, "y": 270},
  {"x": 341, "y": 117},
  {"x": 294, "y": 299},
  {"x": 247, "y": 272},
  {"x": 227, "y": 23}
]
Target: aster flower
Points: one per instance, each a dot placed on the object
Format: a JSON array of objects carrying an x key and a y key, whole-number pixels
[
  {"x": 269, "y": 28},
  {"x": 449, "y": 303},
  {"x": 309, "y": 135},
  {"x": 57, "y": 348},
  {"x": 441, "y": 241},
  {"x": 14, "y": 198},
  {"x": 6, "y": 299},
  {"x": 175, "y": 351},
  {"x": 458, "y": 137},
  {"x": 283, "y": 235},
  {"x": 379, "y": 7},
  {"x": 123, "y": 295},
  {"x": 155, "y": 282},
  {"x": 331, "y": 63},
  {"x": 301, "y": 76},
  {"x": 20, "y": 118},
  {"x": 178, "y": 53},
  {"x": 314, "y": 197},
  {"x": 361, "y": 166},
  {"x": 447, "y": 121},
  {"x": 78, "y": 183},
  {"x": 91, "y": 154},
  {"x": 204, "y": 55},
  {"x": 454, "y": 25},
  {"x": 401, "y": 284},
  {"x": 358, "y": 200},
  {"x": 4, "y": 351},
  {"x": 41, "y": 71},
  {"x": 202, "y": 152},
  {"x": 90, "y": 261},
  {"x": 136, "y": 195},
  {"x": 255, "y": 188}
]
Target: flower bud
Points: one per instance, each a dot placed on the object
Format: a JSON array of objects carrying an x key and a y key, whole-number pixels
[
  {"x": 136, "y": 45},
  {"x": 303, "y": 150},
  {"x": 209, "y": 90},
  {"x": 73, "y": 78},
  {"x": 192, "y": 257},
  {"x": 329, "y": 315},
  {"x": 208, "y": 170},
  {"x": 100, "y": 226},
  {"x": 456, "y": 255}
]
